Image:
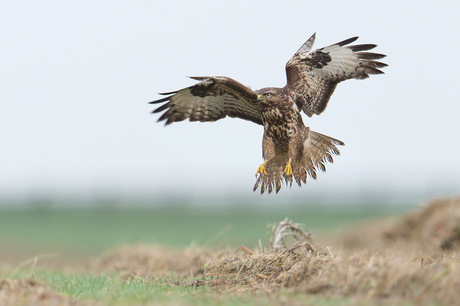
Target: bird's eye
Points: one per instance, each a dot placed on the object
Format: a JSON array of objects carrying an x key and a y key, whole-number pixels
[{"x": 268, "y": 95}]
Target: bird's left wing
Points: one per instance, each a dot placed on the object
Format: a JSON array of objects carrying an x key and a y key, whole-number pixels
[
  {"x": 212, "y": 99},
  {"x": 312, "y": 76}
]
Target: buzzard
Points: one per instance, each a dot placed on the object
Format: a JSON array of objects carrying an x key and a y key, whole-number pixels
[{"x": 290, "y": 149}]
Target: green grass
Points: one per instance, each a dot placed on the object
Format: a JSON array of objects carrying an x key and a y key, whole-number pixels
[
  {"x": 114, "y": 290},
  {"x": 93, "y": 231}
]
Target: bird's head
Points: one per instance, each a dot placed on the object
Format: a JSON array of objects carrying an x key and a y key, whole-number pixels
[{"x": 270, "y": 94}]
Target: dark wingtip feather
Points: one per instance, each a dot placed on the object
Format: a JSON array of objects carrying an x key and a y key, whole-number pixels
[
  {"x": 168, "y": 93},
  {"x": 160, "y": 100},
  {"x": 347, "y": 41},
  {"x": 161, "y": 108},
  {"x": 377, "y": 71},
  {"x": 371, "y": 70},
  {"x": 376, "y": 64},
  {"x": 199, "y": 78},
  {"x": 370, "y": 55},
  {"x": 364, "y": 47}
]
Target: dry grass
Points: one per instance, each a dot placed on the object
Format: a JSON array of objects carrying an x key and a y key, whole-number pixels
[
  {"x": 437, "y": 226},
  {"x": 414, "y": 260},
  {"x": 433, "y": 230},
  {"x": 152, "y": 261}
]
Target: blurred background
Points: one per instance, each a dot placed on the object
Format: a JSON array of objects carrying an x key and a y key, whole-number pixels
[{"x": 76, "y": 129}]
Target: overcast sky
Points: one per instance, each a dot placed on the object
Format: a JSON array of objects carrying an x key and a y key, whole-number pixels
[{"x": 75, "y": 79}]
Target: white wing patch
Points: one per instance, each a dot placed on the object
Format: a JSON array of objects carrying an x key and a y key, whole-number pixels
[{"x": 343, "y": 63}]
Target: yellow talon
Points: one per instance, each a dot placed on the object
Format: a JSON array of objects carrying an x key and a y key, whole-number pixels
[
  {"x": 288, "y": 169},
  {"x": 261, "y": 169}
]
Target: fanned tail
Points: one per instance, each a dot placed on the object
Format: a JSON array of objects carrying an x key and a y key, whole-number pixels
[{"x": 317, "y": 150}]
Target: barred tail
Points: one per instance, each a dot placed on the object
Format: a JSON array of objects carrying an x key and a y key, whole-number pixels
[{"x": 318, "y": 149}]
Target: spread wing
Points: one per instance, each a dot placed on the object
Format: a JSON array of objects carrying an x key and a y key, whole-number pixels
[
  {"x": 212, "y": 99},
  {"x": 312, "y": 76}
]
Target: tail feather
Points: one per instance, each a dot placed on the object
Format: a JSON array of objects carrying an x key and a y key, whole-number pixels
[{"x": 316, "y": 152}]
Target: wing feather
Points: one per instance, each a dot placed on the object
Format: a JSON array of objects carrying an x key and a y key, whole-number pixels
[
  {"x": 212, "y": 99},
  {"x": 312, "y": 76}
]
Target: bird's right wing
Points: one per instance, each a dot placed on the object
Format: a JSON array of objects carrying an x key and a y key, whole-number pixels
[{"x": 212, "y": 99}]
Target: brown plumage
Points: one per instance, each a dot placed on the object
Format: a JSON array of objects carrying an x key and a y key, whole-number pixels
[{"x": 290, "y": 149}]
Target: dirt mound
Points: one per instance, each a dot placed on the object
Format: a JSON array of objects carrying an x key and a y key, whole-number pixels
[
  {"x": 432, "y": 230},
  {"x": 437, "y": 225},
  {"x": 149, "y": 261},
  {"x": 33, "y": 292},
  {"x": 372, "y": 275}
]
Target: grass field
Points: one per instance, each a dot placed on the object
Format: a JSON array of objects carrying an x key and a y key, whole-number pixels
[
  {"x": 90, "y": 232},
  {"x": 189, "y": 256}
]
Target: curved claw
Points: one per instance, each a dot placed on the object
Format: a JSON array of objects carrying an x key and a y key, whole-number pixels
[
  {"x": 288, "y": 169},
  {"x": 261, "y": 169}
]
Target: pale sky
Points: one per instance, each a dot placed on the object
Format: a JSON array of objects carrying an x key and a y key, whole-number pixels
[{"x": 75, "y": 79}]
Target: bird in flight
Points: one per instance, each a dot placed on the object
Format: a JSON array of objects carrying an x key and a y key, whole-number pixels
[{"x": 290, "y": 149}]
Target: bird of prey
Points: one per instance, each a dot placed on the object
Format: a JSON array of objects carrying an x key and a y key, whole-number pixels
[{"x": 290, "y": 149}]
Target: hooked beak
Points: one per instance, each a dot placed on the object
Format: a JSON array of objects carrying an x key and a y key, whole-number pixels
[{"x": 259, "y": 98}]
